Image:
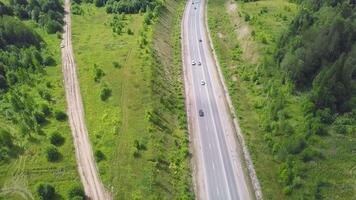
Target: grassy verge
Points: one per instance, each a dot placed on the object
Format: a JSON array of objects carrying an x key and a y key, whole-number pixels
[
  {"x": 137, "y": 138},
  {"x": 271, "y": 114},
  {"x": 19, "y": 177}
]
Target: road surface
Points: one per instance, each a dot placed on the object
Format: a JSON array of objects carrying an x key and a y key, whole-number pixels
[
  {"x": 93, "y": 187},
  {"x": 218, "y": 168}
]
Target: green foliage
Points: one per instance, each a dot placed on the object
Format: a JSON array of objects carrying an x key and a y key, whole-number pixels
[
  {"x": 47, "y": 13},
  {"x": 52, "y": 154},
  {"x": 76, "y": 193},
  {"x": 98, "y": 73},
  {"x": 116, "y": 64},
  {"x": 57, "y": 139},
  {"x": 321, "y": 56},
  {"x": 6, "y": 145},
  {"x": 118, "y": 23},
  {"x": 76, "y": 9},
  {"x": 99, "y": 156},
  {"x": 60, "y": 115},
  {"x": 46, "y": 191},
  {"x": 105, "y": 92},
  {"x": 14, "y": 32}
]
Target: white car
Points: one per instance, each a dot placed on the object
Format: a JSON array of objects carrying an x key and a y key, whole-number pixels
[
  {"x": 193, "y": 62},
  {"x": 202, "y": 82},
  {"x": 62, "y": 45},
  {"x": 199, "y": 63}
]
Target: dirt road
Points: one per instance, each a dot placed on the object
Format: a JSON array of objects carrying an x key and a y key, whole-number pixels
[{"x": 93, "y": 187}]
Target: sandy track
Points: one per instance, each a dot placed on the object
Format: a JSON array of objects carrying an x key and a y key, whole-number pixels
[{"x": 93, "y": 187}]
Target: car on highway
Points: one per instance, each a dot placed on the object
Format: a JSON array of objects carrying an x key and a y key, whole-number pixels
[
  {"x": 200, "y": 40},
  {"x": 193, "y": 62},
  {"x": 202, "y": 82},
  {"x": 199, "y": 63},
  {"x": 201, "y": 113}
]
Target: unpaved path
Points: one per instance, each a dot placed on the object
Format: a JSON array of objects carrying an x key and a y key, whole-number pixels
[{"x": 93, "y": 187}]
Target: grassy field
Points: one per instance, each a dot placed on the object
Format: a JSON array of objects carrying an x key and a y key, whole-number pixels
[
  {"x": 138, "y": 155},
  {"x": 238, "y": 33},
  {"x": 18, "y": 179}
]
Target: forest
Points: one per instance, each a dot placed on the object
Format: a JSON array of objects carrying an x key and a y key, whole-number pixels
[
  {"x": 124, "y": 6},
  {"x": 319, "y": 54}
]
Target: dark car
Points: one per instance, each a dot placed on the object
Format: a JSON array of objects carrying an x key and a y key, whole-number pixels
[{"x": 201, "y": 113}]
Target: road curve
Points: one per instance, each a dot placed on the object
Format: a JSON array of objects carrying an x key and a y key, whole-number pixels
[
  {"x": 219, "y": 173},
  {"x": 93, "y": 187}
]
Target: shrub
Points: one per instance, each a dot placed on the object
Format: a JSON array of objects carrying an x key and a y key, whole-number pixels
[
  {"x": 57, "y": 139},
  {"x": 116, "y": 64},
  {"x": 129, "y": 31},
  {"x": 60, "y": 115},
  {"x": 53, "y": 27},
  {"x": 98, "y": 73},
  {"x": 99, "y": 156},
  {"x": 105, "y": 93},
  {"x": 53, "y": 154},
  {"x": 49, "y": 61},
  {"x": 76, "y": 192},
  {"x": 46, "y": 191},
  {"x": 77, "y": 10}
]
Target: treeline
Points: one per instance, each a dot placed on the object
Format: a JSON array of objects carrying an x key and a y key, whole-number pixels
[
  {"x": 47, "y": 13},
  {"x": 319, "y": 53},
  {"x": 125, "y": 6}
]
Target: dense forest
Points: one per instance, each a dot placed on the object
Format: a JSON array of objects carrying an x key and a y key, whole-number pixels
[
  {"x": 124, "y": 6},
  {"x": 320, "y": 54}
]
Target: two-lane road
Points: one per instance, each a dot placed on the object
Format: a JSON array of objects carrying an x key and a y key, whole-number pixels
[{"x": 219, "y": 170}]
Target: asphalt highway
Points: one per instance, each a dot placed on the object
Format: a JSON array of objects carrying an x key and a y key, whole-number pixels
[{"x": 219, "y": 163}]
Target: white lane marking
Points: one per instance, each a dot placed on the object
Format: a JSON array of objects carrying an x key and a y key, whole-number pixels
[
  {"x": 210, "y": 104},
  {"x": 190, "y": 53},
  {"x": 213, "y": 166}
]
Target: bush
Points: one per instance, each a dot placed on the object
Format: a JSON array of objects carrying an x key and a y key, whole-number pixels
[
  {"x": 76, "y": 9},
  {"x": 53, "y": 27},
  {"x": 57, "y": 139},
  {"x": 129, "y": 31},
  {"x": 76, "y": 193},
  {"x": 105, "y": 93},
  {"x": 46, "y": 191},
  {"x": 99, "y": 156},
  {"x": 60, "y": 115},
  {"x": 49, "y": 61},
  {"x": 116, "y": 64},
  {"x": 53, "y": 154},
  {"x": 98, "y": 73}
]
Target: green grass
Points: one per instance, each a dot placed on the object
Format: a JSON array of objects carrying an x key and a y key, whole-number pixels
[
  {"x": 115, "y": 124},
  {"x": 251, "y": 92},
  {"x": 22, "y": 174}
]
